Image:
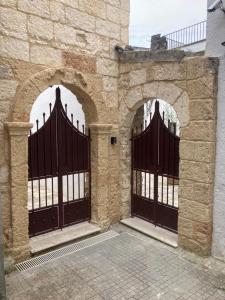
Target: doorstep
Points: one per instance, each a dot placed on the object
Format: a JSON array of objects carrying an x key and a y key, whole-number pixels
[
  {"x": 158, "y": 233},
  {"x": 53, "y": 239}
]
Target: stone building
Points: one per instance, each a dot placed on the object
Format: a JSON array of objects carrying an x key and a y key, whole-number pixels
[{"x": 72, "y": 42}]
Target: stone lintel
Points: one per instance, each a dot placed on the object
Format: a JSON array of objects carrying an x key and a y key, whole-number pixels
[{"x": 18, "y": 128}]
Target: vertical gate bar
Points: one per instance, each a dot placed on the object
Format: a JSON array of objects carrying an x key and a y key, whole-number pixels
[
  {"x": 83, "y": 151},
  {"x": 31, "y": 171},
  {"x": 157, "y": 164},
  {"x": 32, "y": 188},
  {"x": 89, "y": 169},
  {"x": 167, "y": 190},
  {"x": 72, "y": 141},
  {"x": 84, "y": 175},
  {"x": 76, "y": 166},
  {"x": 142, "y": 158},
  {"x": 149, "y": 185},
  {"x": 60, "y": 192},
  {"x": 51, "y": 164},
  {"x": 53, "y": 198},
  {"x": 136, "y": 178},
  {"x": 78, "y": 184},
  {"x": 136, "y": 174},
  {"x": 39, "y": 191},
  {"x": 140, "y": 185},
  {"x": 145, "y": 183},
  {"x": 60, "y": 183},
  {"x": 67, "y": 178},
  {"x": 163, "y": 158},
  {"x": 145, "y": 162},
  {"x": 155, "y": 197},
  {"x": 67, "y": 188},
  {"x": 174, "y": 145},
  {"x": 132, "y": 170},
  {"x": 147, "y": 167},
  {"x": 46, "y": 201},
  {"x": 78, "y": 148},
  {"x": 168, "y": 162}
]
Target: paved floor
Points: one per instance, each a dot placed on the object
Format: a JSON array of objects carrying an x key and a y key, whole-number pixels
[{"x": 128, "y": 266}]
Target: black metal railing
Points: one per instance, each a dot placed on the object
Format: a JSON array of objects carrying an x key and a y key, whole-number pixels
[{"x": 186, "y": 36}]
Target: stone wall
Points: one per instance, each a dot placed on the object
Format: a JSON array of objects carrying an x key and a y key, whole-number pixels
[
  {"x": 69, "y": 42},
  {"x": 189, "y": 85}
]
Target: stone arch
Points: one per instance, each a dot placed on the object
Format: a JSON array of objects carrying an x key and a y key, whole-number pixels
[
  {"x": 88, "y": 91},
  {"x": 70, "y": 78},
  {"x": 166, "y": 91},
  {"x": 129, "y": 104}
]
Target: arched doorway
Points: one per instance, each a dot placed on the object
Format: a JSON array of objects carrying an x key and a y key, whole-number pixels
[
  {"x": 18, "y": 130},
  {"x": 58, "y": 163},
  {"x": 155, "y": 164}
]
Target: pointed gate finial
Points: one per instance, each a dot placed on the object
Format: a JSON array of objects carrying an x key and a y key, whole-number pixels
[
  {"x": 157, "y": 106},
  {"x": 58, "y": 94}
]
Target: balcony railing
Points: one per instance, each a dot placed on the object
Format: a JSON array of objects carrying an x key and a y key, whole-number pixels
[{"x": 187, "y": 36}]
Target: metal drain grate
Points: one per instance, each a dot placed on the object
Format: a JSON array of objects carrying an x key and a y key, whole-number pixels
[{"x": 42, "y": 259}]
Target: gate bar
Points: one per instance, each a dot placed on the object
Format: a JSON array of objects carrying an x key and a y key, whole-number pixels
[{"x": 46, "y": 201}]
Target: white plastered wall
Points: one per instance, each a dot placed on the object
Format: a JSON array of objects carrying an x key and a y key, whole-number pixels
[{"x": 215, "y": 36}]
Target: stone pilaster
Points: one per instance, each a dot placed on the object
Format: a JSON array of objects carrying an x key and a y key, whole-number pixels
[
  {"x": 100, "y": 142},
  {"x": 18, "y": 137}
]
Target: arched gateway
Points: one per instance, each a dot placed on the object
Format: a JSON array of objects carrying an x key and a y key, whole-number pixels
[
  {"x": 59, "y": 172},
  {"x": 155, "y": 172}
]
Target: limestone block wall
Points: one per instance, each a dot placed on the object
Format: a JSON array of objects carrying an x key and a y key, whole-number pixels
[
  {"x": 70, "y": 42},
  {"x": 189, "y": 85}
]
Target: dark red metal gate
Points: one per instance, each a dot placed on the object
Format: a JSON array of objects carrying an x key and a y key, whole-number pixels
[
  {"x": 155, "y": 173},
  {"x": 59, "y": 173}
]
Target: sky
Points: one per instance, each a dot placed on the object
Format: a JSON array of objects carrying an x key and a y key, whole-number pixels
[{"x": 149, "y": 17}]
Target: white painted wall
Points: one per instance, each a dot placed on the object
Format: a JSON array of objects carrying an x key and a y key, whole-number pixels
[
  {"x": 215, "y": 36},
  {"x": 195, "y": 47}
]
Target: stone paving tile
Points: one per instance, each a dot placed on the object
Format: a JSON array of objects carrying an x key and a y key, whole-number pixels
[{"x": 126, "y": 267}]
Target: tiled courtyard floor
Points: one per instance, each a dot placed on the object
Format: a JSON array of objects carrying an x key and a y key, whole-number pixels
[{"x": 128, "y": 266}]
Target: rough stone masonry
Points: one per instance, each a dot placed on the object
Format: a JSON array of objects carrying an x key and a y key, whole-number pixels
[{"x": 71, "y": 42}]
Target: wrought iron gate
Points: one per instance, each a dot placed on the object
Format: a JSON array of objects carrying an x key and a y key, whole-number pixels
[
  {"x": 155, "y": 172},
  {"x": 59, "y": 172}
]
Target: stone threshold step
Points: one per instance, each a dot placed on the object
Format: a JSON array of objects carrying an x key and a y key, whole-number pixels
[
  {"x": 160, "y": 234},
  {"x": 51, "y": 240}
]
